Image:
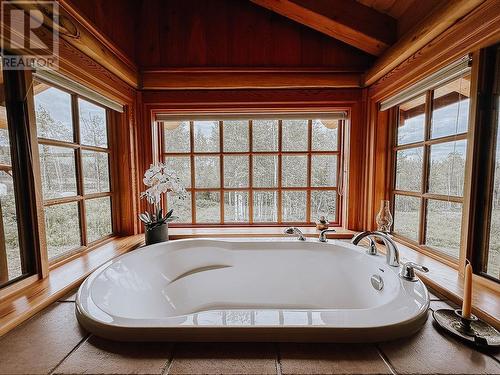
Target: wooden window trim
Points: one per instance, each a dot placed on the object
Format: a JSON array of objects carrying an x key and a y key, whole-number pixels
[
  {"x": 251, "y": 189},
  {"x": 423, "y": 194},
  {"x": 81, "y": 197}
]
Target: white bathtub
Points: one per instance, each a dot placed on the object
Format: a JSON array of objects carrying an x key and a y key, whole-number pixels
[{"x": 250, "y": 290}]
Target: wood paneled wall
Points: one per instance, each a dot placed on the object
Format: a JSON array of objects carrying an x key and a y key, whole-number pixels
[{"x": 234, "y": 33}]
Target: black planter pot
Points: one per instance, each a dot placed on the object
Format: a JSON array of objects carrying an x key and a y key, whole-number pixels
[{"x": 157, "y": 234}]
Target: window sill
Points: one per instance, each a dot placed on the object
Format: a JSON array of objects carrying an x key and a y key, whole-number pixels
[
  {"x": 179, "y": 233},
  {"x": 28, "y": 300},
  {"x": 447, "y": 281},
  {"x": 20, "y": 305}
]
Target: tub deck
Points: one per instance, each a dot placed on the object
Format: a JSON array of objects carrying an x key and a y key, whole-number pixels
[{"x": 258, "y": 290}]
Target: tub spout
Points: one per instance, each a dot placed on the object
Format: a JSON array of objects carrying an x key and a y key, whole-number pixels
[
  {"x": 322, "y": 235},
  {"x": 392, "y": 252}
]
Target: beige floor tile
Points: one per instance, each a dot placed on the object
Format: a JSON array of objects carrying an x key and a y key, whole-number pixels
[
  {"x": 99, "y": 356},
  {"x": 331, "y": 359},
  {"x": 432, "y": 352},
  {"x": 224, "y": 358},
  {"x": 37, "y": 346}
]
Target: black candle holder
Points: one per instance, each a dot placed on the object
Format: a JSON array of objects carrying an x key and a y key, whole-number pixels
[{"x": 472, "y": 330}]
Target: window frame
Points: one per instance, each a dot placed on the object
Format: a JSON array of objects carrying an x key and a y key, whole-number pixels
[
  {"x": 481, "y": 259},
  {"x": 81, "y": 197},
  {"x": 279, "y": 153},
  {"x": 17, "y": 103},
  {"x": 423, "y": 195},
  {"x": 483, "y": 173}
]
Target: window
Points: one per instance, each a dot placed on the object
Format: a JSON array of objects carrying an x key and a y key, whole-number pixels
[
  {"x": 74, "y": 164},
  {"x": 429, "y": 155},
  {"x": 486, "y": 231},
  {"x": 261, "y": 171},
  {"x": 491, "y": 258},
  {"x": 12, "y": 261}
]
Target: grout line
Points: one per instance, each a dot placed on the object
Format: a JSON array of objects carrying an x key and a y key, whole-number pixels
[
  {"x": 279, "y": 370},
  {"x": 85, "y": 338},
  {"x": 386, "y": 360},
  {"x": 493, "y": 357},
  {"x": 170, "y": 360}
]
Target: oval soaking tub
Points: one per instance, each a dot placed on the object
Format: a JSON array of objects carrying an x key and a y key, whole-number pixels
[{"x": 250, "y": 290}]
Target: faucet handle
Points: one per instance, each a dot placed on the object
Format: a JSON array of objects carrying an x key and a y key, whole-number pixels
[
  {"x": 372, "y": 249},
  {"x": 408, "y": 270}
]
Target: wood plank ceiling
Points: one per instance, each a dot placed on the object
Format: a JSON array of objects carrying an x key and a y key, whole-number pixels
[
  {"x": 348, "y": 21},
  {"x": 393, "y": 8},
  {"x": 367, "y": 37}
]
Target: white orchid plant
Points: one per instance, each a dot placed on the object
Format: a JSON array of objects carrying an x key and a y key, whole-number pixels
[{"x": 160, "y": 181}]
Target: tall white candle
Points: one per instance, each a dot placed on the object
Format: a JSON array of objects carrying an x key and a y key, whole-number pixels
[{"x": 467, "y": 303}]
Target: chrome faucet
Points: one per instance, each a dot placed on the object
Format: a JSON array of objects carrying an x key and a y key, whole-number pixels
[
  {"x": 392, "y": 252},
  {"x": 322, "y": 235},
  {"x": 294, "y": 231}
]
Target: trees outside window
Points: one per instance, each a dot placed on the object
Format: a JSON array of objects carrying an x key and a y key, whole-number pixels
[{"x": 74, "y": 165}]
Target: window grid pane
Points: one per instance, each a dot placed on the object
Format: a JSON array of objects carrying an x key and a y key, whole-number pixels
[
  {"x": 255, "y": 171},
  {"x": 444, "y": 238},
  {"x": 75, "y": 170},
  {"x": 98, "y": 218},
  {"x": 62, "y": 225},
  {"x": 93, "y": 124}
]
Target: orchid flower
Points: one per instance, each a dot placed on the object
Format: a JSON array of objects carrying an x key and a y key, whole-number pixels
[{"x": 159, "y": 181}]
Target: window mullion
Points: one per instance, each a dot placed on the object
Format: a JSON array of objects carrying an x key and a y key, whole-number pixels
[
  {"x": 250, "y": 171},
  {"x": 340, "y": 170},
  {"x": 280, "y": 208},
  {"x": 193, "y": 193},
  {"x": 79, "y": 168},
  {"x": 425, "y": 168},
  {"x": 309, "y": 171},
  {"x": 221, "y": 171}
]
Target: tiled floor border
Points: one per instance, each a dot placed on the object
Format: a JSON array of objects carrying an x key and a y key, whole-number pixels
[{"x": 277, "y": 346}]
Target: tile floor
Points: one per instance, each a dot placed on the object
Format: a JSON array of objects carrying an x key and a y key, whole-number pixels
[{"x": 53, "y": 343}]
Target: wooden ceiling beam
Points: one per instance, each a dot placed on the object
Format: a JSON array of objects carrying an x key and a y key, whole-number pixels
[
  {"x": 347, "y": 20},
  {"x": 442, "y": 17},
  {"x": 279, "y": 78}
]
